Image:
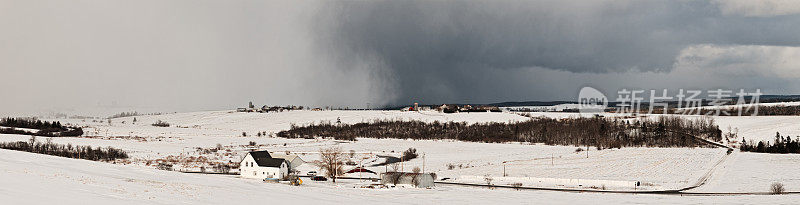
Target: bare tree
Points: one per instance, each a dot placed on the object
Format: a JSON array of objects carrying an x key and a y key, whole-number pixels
[
  {"x": 416, "y": 170},
  {"x": 331, "y": 161}
]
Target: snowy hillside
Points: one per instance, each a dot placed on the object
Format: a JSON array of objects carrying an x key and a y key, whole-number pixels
[
  {"x": 193, "y": 134},
  {"x": 40, "y": 179}
]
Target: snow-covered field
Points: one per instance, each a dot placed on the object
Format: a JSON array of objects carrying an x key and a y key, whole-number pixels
[
  {"x": 40, "y": 179},
  {"x": 656, "y": 168},
  {"x": 747, "y": 172}
]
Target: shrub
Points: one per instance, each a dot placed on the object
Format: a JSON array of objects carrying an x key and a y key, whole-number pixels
[
  {"x": 516, "y": 186},
  {"x": 777, "y": 188},
  {"x": 222, "y": 168},
  {"x": 409, "y": 154},
  {"x": 451, "y": 166},
  {"x": 164, "y": 166},
  {"x": 160, "y": 123}
]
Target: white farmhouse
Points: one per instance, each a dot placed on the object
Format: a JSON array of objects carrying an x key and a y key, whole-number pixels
[{"x": 259, "y": 164}]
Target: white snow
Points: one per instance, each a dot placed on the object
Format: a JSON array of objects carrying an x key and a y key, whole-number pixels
[
  {"x": 660, "y": 168},
  {"x": 40, "y": 179}
]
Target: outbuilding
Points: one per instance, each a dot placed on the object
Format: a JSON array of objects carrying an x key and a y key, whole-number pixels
[{"x": 293, "y": 160}]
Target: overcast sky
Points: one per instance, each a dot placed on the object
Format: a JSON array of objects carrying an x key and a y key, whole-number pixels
[{"x": 185, "y": 55}]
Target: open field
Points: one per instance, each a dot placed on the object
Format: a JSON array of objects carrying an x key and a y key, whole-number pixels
[
  {"x": 71, "y": 181},
  {"x": 191, "y": 133}
]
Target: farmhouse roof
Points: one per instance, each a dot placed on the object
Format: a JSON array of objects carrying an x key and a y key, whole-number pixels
[{"x": 263, "y": 159}]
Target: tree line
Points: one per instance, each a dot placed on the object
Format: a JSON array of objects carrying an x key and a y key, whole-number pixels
[
  {"x": 45, "y": 128},
  {"x": 123, "y": 114},
  {"x": 598, "y": 131},
  {"x": 77, "y": 152},
  {"x": 761, "y": 110},
  {"x": 781, "y": 144},
  {"x": 32, "y": 123}
]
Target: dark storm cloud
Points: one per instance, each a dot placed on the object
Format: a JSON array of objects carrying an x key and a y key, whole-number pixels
[
  {"x": 443, "y": 51},
  {"x": 221, "y": 54}
]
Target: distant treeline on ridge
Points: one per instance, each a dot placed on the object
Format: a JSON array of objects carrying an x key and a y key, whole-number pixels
[
  {"x": 45, "y": 128},
  {"x": 595, "y": 131}
]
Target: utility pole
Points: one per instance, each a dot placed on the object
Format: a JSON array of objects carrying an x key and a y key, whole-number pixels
[
  {"x": 552, "y": 160},
  {"x": 504, "y": 169}
]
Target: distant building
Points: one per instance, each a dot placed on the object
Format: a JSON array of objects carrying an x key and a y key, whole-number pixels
[
  {"x": 466, "y": 108},
  {"x": 445, "y": 108},
  {"x": 261, "y": 165}
]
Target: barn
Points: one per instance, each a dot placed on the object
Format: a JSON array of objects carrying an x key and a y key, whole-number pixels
[{"x": 261, "y": 165}]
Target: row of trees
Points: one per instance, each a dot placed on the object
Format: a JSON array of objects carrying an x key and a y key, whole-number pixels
[
  {"x": 749, "y": 111},
  {"x": 72, "y": 132},
  {"x": 782, "y": 144},
  {"x": 32, "y": 123},
  {"x": 666, "y": 131},
  {"x": 45, "y": 128},
  {"x": 77, "y": 152},
  {"x": 123, "y": 114}
]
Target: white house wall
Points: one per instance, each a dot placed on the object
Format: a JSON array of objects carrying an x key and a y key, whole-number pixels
[{"x": 257, "y": 172}]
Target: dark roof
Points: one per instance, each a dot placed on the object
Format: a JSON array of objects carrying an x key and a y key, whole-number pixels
[
  {"x": 260, "y": 154},
  {"x": 263, "y": 159},
  {"x": 269, "y": 162},
  {"x": 359, "y": 169}
]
